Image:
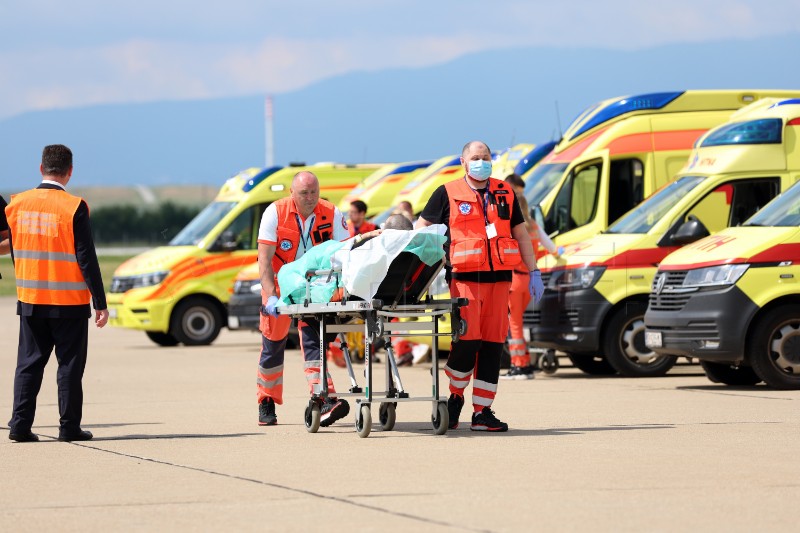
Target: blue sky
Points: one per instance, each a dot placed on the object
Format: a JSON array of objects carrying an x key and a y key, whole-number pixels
[{"x": 57, "y": 55}]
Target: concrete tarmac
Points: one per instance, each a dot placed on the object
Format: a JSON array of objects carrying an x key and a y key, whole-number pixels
[{"x": 177, "y": 447}]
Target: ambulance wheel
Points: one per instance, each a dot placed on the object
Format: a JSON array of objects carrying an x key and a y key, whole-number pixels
[
  {"x": 312, "y": 417},
  {"x": 363, "y": 421},
  {"x": 548, "y": 362},
  {"x": 730, "y": 374},
  {"x": 386, "y": 416},
  {"x": 196, "y": 322},
  {"x": 441, "y": 419},
  {"x": 162, "y": 339},
  {"x": 624, "y": 347},
  {"x": 595, "y": 365},
  {"x": 774, "y": 347}
]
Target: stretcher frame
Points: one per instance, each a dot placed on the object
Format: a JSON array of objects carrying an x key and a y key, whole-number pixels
[{"x": 377, "y": 315}]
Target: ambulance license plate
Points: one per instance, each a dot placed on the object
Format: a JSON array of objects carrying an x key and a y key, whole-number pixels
[{"x": 653, "y": 339}]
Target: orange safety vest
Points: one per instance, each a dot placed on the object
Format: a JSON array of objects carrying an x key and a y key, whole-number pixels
[
  {"x": 43, "y": 241},
  {"x": 471, "y": 249},
  {"x": 365, "y": 227},
  {"x": 290, "y": 226}
]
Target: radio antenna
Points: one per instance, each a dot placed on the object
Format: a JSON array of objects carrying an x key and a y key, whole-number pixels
[{"x": 558, "y": 121}]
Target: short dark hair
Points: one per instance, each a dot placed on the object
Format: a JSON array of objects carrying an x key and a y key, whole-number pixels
[
  {"x": 515, "y": 180},
  {"x": 360, "y": 206},
  {"x": 56, "y": 160},
  {"x": 398, "y": 222}
]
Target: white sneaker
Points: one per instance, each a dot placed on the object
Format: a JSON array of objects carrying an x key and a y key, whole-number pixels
[{"x": 420, "y": 353}]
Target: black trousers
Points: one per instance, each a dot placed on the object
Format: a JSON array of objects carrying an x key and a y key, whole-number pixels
[{"x": 37, "y": 338}]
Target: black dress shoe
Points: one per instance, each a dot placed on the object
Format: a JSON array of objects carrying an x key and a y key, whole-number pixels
[
  {"x": 80, "y": 435},
  {"x": 23, "y": 436}
]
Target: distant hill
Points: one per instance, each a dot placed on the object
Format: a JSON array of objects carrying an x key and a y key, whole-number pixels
[{"x": 501, "y": 96}]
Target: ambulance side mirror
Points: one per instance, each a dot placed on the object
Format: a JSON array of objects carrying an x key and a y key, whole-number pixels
[{"x": 690, "y": 231}]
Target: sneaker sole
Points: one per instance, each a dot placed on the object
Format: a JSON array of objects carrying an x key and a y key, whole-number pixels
[
  {"x": 487, "y": 428},
  {"x": 275, "y": 423}
]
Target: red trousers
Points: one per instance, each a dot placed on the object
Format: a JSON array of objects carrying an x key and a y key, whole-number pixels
[{"x": 518, "y": 299}]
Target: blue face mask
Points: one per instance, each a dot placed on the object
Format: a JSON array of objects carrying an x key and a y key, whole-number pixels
[{"x": 480, "y": 170}]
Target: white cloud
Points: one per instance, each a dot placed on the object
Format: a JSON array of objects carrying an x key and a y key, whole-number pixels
[{"x": 152, "y": 52}]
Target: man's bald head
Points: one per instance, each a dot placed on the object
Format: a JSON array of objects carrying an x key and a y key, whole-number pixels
[
  {"x": 473, "y": 146},
  {"x": 398, "y": 222},
  {"x": 305, "y": 192}
]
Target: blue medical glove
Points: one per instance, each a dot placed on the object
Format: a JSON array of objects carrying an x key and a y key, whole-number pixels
[
  {"x": 270, "y": 307},
  {"x": 536, "y": 286},
  {"x": 560, "y": 250}
]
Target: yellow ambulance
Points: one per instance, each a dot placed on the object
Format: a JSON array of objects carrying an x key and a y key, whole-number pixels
[
  {"x": 732, "y": 299},
  {"x": 599, "y": 288},
  {"x": 179, "y": 293},
  {"x": 619, "y": 151},
  {"x": 379, "y": 190}
]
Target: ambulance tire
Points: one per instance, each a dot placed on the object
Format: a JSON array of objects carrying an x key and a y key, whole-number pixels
[
  {"x": 774, "y": 347},
  {"x": 162, "y": 339},
  {"x": 624, "y": 348},
  {"x": 741, "y": 376},
  {"x": 594, "y": 365},
  {"x": 196, "y": 322}
]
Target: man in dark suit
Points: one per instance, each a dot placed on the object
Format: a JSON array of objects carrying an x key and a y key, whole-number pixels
[{"x": 57, "y": 275}]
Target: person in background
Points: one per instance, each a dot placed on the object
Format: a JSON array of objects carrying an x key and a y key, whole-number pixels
[
  {"x": 58, "y": 275},
  {"x": 405, "y": 208},
  {"x": 358, "y": 225},
  {"x": 488, "y": 239},
  {"x": 290, "y": 227},
  {"x": 518, "y": 296},
  {"x": 4, "y": 246}
]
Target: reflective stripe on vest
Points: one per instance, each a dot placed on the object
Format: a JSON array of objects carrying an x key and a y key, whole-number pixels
[
  {"x": 43, "y": 242},
  {"x": 470, "y": 248},
  {"x": 288, "y": 234}
]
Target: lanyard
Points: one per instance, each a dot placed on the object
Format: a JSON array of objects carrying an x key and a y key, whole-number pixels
[
  {"x": 306, "y": 240},
  {"x": 485, "y": 198}
]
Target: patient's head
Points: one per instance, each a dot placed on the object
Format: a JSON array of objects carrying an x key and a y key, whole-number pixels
[{"x": 398, "y": 222}]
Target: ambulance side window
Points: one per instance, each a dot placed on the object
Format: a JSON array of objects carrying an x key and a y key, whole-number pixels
[
  {"x": 734, "y": 202},
  {"x": 625, "y": 187},
  {"x": 244, "y": 229},
  {"x": 576, "y": 202}
]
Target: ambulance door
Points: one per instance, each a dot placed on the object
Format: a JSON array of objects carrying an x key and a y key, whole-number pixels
[{"x": 574, "y": 213}]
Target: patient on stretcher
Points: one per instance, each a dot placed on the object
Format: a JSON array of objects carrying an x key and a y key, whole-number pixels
[{"x": 363, "y": 265}]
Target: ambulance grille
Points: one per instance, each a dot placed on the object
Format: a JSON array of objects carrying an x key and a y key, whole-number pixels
[{"x": 666, "y": 300}]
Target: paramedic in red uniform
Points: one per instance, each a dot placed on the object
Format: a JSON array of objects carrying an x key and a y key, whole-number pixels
[
  {"x": 58, "y": 277},
  {"x": 487, "y": 241},
  {"x": 358, "y": 225},
  {"x": 288, "y": 228}
]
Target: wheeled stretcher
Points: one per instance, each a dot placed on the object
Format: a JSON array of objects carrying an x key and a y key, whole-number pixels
[{"x": 398, "y": 296}]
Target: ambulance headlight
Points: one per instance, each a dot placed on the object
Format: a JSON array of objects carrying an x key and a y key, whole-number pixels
[
  {"x": 149, "y": 279},
  {"x": 716, "y": 276},
  {"x": 578, "y": 278}
]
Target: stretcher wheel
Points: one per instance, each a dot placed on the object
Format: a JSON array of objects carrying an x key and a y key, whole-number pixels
[
  {"x": 312, "y": 417},
  {"x": 441, "y": 419},
  {"x": 386, "y": 415},
  {"x": 363, "y": 421},
  {"x": 548, "y": 362}
]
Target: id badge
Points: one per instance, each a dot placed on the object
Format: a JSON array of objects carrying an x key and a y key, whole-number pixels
[{"x": 491, "y": 231}]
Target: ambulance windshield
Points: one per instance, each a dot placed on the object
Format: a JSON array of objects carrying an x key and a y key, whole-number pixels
[
  {"x": 644, "y": 216},
  {"x": 196, "y": 230},
  {"x": 782, "y": 211}
]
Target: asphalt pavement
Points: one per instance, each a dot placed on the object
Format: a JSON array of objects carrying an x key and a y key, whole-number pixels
[{"x": 177, "y": 447}]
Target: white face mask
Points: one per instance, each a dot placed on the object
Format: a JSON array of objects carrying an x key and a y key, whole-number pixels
[{"x": 480, "y": 170}]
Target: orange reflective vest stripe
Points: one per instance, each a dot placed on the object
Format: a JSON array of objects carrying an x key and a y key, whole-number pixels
[
  {"x": 289, "y": 228},
  {"x": 472, "y": 248},
  {"x": 43, "y": 241}
]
